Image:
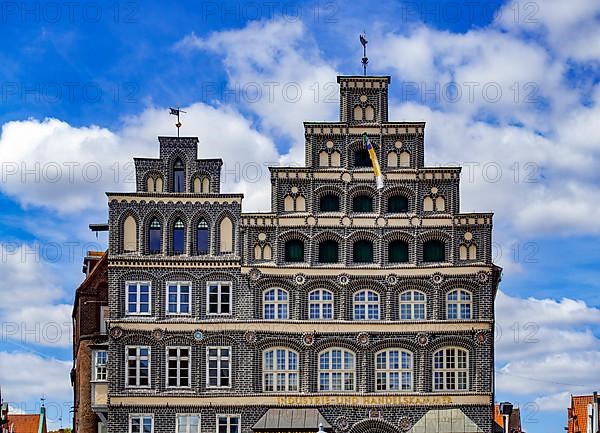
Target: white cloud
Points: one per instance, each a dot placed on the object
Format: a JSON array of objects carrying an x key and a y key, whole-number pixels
[
  {"x": 568, "y": 27},
  {"x": 546, "y": 348},
  {"x": 554, "y": 402},
  {"x": 27, "y": 377},
  {"x": 303, "y": 85},
  {"x": 31, "y": 312}
]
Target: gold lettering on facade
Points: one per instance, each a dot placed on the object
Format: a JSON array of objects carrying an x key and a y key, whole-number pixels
[{"x": 369, "y": 400}]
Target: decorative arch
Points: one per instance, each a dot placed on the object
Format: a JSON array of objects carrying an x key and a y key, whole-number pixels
[
  {"x": 374, "y": 426},
  {"x": 130, "y": 234},
  {"x": 336, "y": 159},
  {"x": 404, "y": 160},
  {"x": 358, "y": 113},
  {"x": 226, "y": 237},
  {"x": 392, "y": 159},
  {"x": 369, "y": 113}
]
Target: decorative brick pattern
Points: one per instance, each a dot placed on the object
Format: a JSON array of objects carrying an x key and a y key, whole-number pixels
[{"x": 258, "y": 264}]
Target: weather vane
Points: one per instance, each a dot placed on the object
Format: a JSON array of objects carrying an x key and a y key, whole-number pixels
[
  {"x": 176, "y": 112},
  {"x": 365, "y": 59}
]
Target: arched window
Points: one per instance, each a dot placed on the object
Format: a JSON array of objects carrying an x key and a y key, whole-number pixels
[
  {"x": 226, "y": 235},
  {"x": 397, "y": 204},
  {"x": 398, "y": 252},
  {"x": 150, "y": 184},
  {"x": 451, "y": 369},
  {"x": 440, "y": 203},
  {"x": 280, "y": 370},
  {"x": 392, "y": 160},
  {"x": 205, "y": 185},
  {"x": 328, "y": 252},
  {"x": 275, "y": 304},
  {"x": 320, "y": 305},
  {"x": 362, "y": 158},
  {"x": 130, "y": 234},
  {"x": 158, "y": 184},
  {"x": 472, "y": 252},
  {"x": 155, "y": 237},
  {"x": 362, "y": 203},
  {"x": 458, "y": 305},
  {"x": 336, "y": 159},
  {"x": 434, "y": 251},
  {"x": 366, "y": 305},
  {"x": 329, "y": 203},
  {"x": 337, "y": 370},
  {"x": 358, "y": 112},
  {"x": 323, "y": 159},
  {"x": 178, "y": 176},
  {"x": 369, "y": 113},
  {"x": 267, "y": 253},
  {"x": 404, "y": 159},
  {"x": 202, "y": 237},
  {"x": 362, "y": 251},
  {"x": 413, "y": 305},
  {"x": 393, "y": 370},
  {"x": 294, "y": 250},
  {"x": 178, "y": 237},
  {"x": 427, "y": 204}
]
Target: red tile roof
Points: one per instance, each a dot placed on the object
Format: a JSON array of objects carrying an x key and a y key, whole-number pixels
[
  {"x": 578, "y": 413},
  {"x": 24, "y": 423}
]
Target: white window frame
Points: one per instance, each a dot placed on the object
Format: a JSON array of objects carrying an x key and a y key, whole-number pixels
[
  {"x": 366, "y": 303},
  {"x": 276, "y": 303},
  {"x": 104, "y": 315},
  {"x": 460, "y": 304},
  {"x": 141, "y": 416},
  {"x": 138, "y": 359},
  {"x": 218, "y": 359},
  {"x": 187, "y": 426},
  {"x": 137, "y": 302},
  {"x": 178, "y": 358},
  {"x": 219, "y": 285},
  {"x": 320, "y": 303},
  {"x": 95, "y": 375},
  {"x": 102, "y": 427},
  {"x": 178, "y": 293},
  {"x": 388, "y": 370},
  {"x": 447, "y": 371},
  {"x": 330, "y": 371},
  {"x": 412, "y": 302},
  {"x": 229, "y": 416},
  {"x": 286, "y": 371}
]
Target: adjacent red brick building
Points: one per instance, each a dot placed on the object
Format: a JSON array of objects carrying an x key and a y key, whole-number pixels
[
  {"x": 578, "y": 413},
  {"x": 90, "y": 346},
  {"x": 514, "y": 420}
]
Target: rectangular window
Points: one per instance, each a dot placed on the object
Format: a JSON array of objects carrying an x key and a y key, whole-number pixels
[
  {"x": 138, "y": 366},
  {"x": 228, "y": 424},
  {"x": 218, "y": 298},
  {"x": 100, "y": 362},
  {"x": 138, "y": 298},
  {"x": 218, "y": 366},
  {"x": 178, "y": 367},
  {"x": 178, "y": 298},
  {"x": 141, "y": 424},
  {"x": 103, "y": 318},
  {"x": 188, "y": 424}
]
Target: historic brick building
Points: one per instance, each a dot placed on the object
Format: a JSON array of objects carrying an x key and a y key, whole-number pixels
[
  {"x": 362, "y": 309},
  {"x": 89, "y": 375}
]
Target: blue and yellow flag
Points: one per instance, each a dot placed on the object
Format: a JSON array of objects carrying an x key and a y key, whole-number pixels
[{"x": 374, "y": 161}]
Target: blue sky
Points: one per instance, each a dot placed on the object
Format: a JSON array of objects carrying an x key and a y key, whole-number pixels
[{"x": 509, "y": 90}]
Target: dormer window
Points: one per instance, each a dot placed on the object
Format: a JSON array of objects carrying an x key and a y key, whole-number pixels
[{"x": 178, "y": 180}]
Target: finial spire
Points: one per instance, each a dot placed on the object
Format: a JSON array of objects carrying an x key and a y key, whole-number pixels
[
  {"x": 175, "y": 112},
  {"x": 365, "y": 59}
]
